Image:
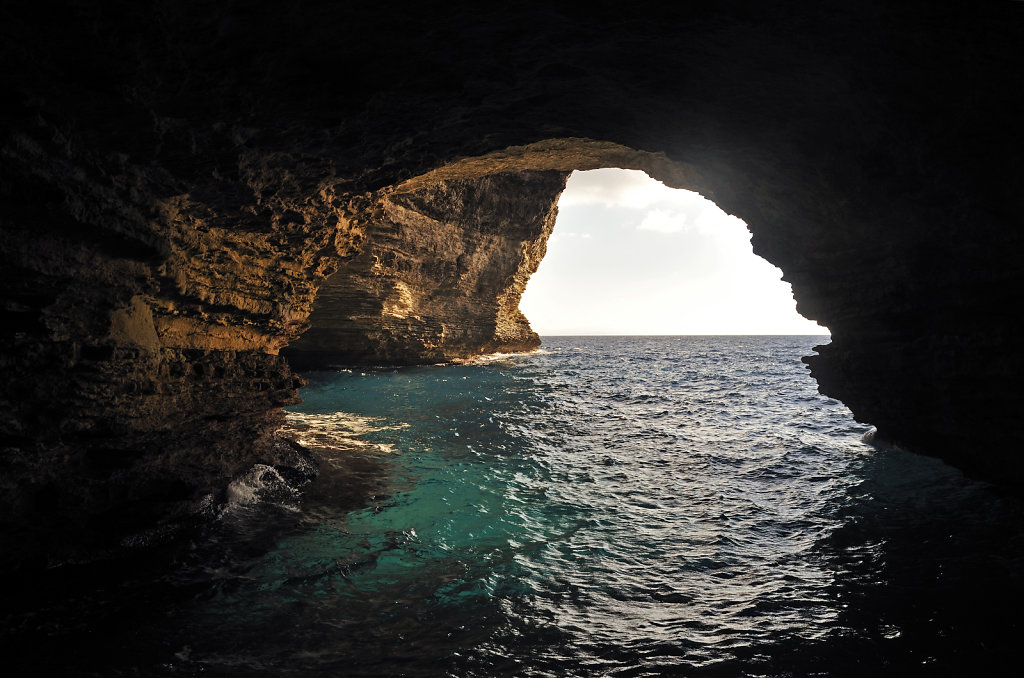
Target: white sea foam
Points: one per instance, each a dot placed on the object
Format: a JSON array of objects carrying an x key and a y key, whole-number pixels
[
  {"x": 871, "y": 438},
  {"x": 497, "y": 356},
  {"x": 261, "y": 483},
  {"x": 331, "y": 436}
]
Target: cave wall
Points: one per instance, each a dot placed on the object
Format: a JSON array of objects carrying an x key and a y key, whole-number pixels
[
  {"x": 440, "y": 274},
  {"x": 141, "y": 322},
  {"x": 179, "y": 179}
]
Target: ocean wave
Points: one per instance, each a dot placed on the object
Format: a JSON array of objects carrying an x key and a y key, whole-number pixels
[
  {"x": 262, "y": 484},
  {"x": 872, "y": 438},
  {"x": 498, "y": 356}
]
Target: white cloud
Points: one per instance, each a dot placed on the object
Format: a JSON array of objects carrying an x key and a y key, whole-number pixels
[{"x": 663, "y": 221}]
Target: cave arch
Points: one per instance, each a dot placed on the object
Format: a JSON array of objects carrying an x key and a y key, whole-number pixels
[
  {"x": 167, "y": 178},
  {"x": 445, "y": 256}
]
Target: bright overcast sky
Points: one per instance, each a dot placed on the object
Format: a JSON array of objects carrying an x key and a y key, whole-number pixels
[{"x": 631, "y": 256}]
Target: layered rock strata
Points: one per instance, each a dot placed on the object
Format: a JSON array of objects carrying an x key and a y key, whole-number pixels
[
  {"x": 142, "y": 317},
  {"x": 440, "y": 275}
]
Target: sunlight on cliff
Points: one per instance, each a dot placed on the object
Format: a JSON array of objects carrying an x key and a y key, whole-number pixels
[{"x": 631, "y": 256}]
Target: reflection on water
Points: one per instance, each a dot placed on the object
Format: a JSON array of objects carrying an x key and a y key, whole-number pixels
[{"x": 628, "y": 507}]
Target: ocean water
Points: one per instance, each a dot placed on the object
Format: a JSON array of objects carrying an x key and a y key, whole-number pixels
[{"x": 607, "y": 506}]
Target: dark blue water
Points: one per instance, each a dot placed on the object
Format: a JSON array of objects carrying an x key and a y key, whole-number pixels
[{"x": 607, "y": 507}]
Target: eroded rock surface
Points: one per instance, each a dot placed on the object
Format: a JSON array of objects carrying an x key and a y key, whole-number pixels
[
  {"x": 440, "y": 275},
  {"x": 140, "y": 338}
]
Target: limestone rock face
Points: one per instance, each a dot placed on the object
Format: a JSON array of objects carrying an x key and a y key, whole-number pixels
[
  {"x": 139, "y": 340},
  {"x": 440, "y": 275},
  {"x": 178, "y": 181}
]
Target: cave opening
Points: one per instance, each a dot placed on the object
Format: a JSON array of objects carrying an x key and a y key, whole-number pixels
[
  {"x": 180, "y": 178},
  {"x": 631, "y": 256},
  {"x": 444, "y": 258}
]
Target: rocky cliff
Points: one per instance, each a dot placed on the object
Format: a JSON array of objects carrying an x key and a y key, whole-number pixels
[
  {"x": 140, "y": 339},
  {"x": 440, "y": 275},
  {"x": 181, "y": 180}
]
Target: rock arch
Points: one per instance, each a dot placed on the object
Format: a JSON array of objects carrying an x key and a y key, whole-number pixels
[
  {"x": 448, "y": 253},
  {"x": 194, "y": 173}
]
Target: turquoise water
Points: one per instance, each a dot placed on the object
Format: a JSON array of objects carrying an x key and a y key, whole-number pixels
[{"x": 608, "y": 506}]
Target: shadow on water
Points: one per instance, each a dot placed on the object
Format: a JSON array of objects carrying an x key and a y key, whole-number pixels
[
  {"x": 132, "y": 614},
  {"x": 926, "y": 572},
  {"x": 547, "y": 517}
]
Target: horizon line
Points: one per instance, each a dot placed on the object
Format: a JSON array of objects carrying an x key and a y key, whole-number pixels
[{"x": 788, "y": 334}]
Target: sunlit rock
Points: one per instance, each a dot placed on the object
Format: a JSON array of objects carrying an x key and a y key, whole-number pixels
[{"x": 440, "y": 275}]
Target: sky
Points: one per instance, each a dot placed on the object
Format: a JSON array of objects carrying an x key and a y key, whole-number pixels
[{"x": 631, "y": 256}]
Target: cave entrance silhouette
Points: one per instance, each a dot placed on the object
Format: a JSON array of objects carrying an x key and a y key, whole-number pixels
[
  {"x": 630, "y": 256},
  {"x": 445, "y": 257}
]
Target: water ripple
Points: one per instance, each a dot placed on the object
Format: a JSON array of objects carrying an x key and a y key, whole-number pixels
[{"x": 610, "y": 506}]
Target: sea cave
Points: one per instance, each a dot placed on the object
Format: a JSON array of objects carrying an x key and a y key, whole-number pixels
[{"x": 201, "y": 201}]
